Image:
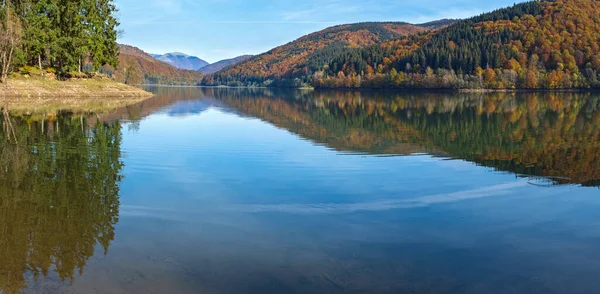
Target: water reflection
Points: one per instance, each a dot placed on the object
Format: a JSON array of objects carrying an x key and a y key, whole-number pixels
[
  {"x": 555, "y": 136},
  {"x": 550, "y": 135},
  {"x": 304, "y": 218},
  {"x": 59, "y": 195}
]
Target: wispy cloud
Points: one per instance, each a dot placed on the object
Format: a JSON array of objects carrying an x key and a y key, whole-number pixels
[{"x": 319, "y": 12}]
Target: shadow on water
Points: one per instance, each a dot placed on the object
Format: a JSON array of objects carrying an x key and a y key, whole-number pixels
[{"x": 59, "y": 195}]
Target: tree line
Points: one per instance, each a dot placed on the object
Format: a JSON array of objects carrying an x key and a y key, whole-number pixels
[{"x": 59, "y": 35}]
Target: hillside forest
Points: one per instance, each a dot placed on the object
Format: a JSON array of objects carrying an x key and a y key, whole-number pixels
[{"x": 532, "y": 45}]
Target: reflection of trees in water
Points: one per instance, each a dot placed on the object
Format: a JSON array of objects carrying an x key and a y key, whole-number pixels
[
  {"x": 163, "y": 97},
  {"x": 59, "y": 195},
  {"x": 554, "y": 135}
]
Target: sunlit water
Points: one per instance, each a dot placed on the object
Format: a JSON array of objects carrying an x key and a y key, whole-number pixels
[{"x": 263, "y": 191}]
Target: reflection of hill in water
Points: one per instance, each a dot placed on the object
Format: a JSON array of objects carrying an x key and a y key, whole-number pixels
[
  {"x": 59, "y": 195},
  {"x": 173, "y": 101},
  {"x": 555, "y": 135},
  {"x": 185, "y": 108}
]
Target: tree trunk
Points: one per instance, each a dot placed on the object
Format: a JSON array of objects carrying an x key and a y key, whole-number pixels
[
  {"x": 79, "y": 68},
  {"x": 40, "y": 61},
  {"x": 5, "y": 66}
]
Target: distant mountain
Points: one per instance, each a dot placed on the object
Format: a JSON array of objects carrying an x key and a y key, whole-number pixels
[
  {"x": 438, "y": 24},
  {"x": 181, "y": 60},
  {"x": 137, "y": 66},
  {"x": 219, "y": 65},
  {"x": 293, "y": 63}
]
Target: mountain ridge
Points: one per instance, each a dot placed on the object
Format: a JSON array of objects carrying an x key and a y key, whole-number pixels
[
  {"x": 221, "y": 64},
  {"x": 290, "y": 61},
  {"x": 181, "y": 60}
]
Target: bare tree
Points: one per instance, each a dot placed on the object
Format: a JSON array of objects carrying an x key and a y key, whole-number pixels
[{"x": 10, "y": 38}]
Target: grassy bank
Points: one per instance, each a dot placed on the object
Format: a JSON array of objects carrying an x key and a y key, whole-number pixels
[
  {"x": 34, "y": 94},
  {"x": 24, "y": 86}
]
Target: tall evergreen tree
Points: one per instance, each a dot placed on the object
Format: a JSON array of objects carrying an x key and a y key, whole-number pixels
[
  {"x": 64, "y": 34},
  {"x": 102, "y": 23}
]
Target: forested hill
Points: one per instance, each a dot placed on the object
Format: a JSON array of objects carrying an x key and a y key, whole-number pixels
[
  {"x": 137, "y": 66},
  {"x": 292, "y": 64},
  {"x": 534, "y": 45}
]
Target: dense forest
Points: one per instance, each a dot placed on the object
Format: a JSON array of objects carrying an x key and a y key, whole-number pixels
[
  {"x": 60, "y": 36},
  {"x": 533, "y": 45},
  {"x": 291, "y": 64}
]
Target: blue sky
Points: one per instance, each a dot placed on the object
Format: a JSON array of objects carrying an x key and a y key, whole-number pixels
[{"x": 219, "y": 29}]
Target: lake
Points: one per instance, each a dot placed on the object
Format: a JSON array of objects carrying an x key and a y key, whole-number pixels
[{"x": 222, "y": 190}]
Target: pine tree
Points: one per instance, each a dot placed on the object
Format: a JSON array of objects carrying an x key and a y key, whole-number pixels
[
  {"x": 70, "y": 42},
  {"x": 65, "y": 34},
  {"x": 38, "y": 30},
  {"x": 103, "y": 34}
]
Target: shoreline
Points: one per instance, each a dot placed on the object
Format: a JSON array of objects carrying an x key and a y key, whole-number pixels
[
  {"x": 575, "y": 90},
  {"x": 38, "y": 95},
  {"x": 33, "y": 87}
]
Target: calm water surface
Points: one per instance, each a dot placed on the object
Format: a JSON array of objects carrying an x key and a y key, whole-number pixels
[{"x": 271, "y": 191}]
